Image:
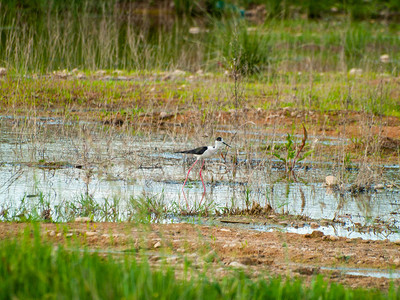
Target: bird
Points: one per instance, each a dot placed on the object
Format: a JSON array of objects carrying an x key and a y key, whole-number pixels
[{"x": 201, "y": 153}]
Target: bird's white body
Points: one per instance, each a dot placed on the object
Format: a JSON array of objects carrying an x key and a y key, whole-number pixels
[{"x": 211, "y": 150}]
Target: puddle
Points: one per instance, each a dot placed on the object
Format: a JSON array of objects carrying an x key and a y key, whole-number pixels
[
  {"x": 367, "y": 272},
  {"x": 53, "y": 164},
  {"x": 342, "y": 230}
]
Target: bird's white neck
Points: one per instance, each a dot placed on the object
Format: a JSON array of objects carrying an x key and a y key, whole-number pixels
[{"x": 218, "y": 144}]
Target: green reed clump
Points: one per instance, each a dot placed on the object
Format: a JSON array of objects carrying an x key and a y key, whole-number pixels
[{"x": 33, "y": 268}]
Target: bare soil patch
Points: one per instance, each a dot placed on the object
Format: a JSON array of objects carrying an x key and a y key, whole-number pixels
[{"x": 257, "y": 253}]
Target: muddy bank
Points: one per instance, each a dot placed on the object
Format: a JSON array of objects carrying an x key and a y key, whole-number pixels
[{"x": 221, "y": 249}]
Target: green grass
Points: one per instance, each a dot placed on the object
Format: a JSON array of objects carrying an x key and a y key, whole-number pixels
[
  {"x": 33, "y": 268},
  {"x": 370, "y": 92},
  {"x": 304, "y": 61},
  {"x": 103, "y": 37}
]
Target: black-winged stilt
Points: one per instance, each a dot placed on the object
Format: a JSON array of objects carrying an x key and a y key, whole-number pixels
[{"x": 201, "y": 153}]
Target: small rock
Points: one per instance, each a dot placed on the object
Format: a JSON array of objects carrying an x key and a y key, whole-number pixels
[
  {"x": 249, "y": 261},
  {"x": 379, "y": 186},
  {"x": 91, "y": 233},
  {"x": 333, "y": 238},
  {"x": 100, "y": 72},
  {"x": 384, "y": 58},
  {"x": 225, "y": 230},
  {"x": 82, "y": 219},
  {"x": 251, "y": 29},
  {"x": 163, "y": 115},
  {"x": 396, "y": 261},
  {"x": 194, "y": 30},
  {"x": 397, "y": 242},
  {"x": 118, "y": 235},
  {"x": 178, "y": 72},
  {"x": 331, "y": 180},
  {"x": 81, "y": 76},
  {"x": 61, "y": 74},
  {"x": 283, "y": 223},
  {"x": 314, "y": 234},
  {"x": 3, "y": 71},
  {"x": 236, "y": 264},
  {"x": 70, "y": 234},
  {"x": 355, "y": 71},
  {"x": 51, "y": 233},
  {"x": 314, "y": 225},
  {"x": 231, "y": 245},
  {"x": 324, "y": 223},
  {"x": 157, "y": 245}
]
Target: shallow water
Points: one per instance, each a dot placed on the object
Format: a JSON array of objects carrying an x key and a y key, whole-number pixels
[
  {"x": 367, "y": 272},
  {"x": 48, "y": 163}
]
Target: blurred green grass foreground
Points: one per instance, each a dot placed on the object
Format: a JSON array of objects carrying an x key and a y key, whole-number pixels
[{"x": 32, "y": 268}]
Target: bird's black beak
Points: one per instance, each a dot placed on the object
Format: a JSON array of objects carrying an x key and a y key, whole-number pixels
[{"x": 227, "y": 145}]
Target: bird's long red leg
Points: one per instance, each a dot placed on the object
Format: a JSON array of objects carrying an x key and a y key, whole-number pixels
[
  {"x": 204, "y": 186},
  {"x": 187, "y": 176}
]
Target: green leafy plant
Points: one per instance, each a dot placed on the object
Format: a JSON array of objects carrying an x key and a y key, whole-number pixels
[{"x": 293, "y": 153}]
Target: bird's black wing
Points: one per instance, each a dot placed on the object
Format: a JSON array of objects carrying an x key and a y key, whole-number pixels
[{"x": 197, "y": 151}]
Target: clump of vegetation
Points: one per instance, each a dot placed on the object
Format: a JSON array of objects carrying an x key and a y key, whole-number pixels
[{"x": 293, "y": 153}]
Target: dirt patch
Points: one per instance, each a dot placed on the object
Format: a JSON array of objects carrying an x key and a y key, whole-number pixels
[{"x": 258, "y": 253}]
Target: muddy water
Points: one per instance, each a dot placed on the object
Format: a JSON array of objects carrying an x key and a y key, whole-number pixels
[{"x": 48, "y": 163}]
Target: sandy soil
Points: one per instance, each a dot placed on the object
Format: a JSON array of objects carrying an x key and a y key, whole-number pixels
[{"x": 227, "y": 248}]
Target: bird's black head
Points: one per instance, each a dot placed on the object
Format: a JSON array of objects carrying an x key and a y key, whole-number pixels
[{"x": 219, "y": 139}]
